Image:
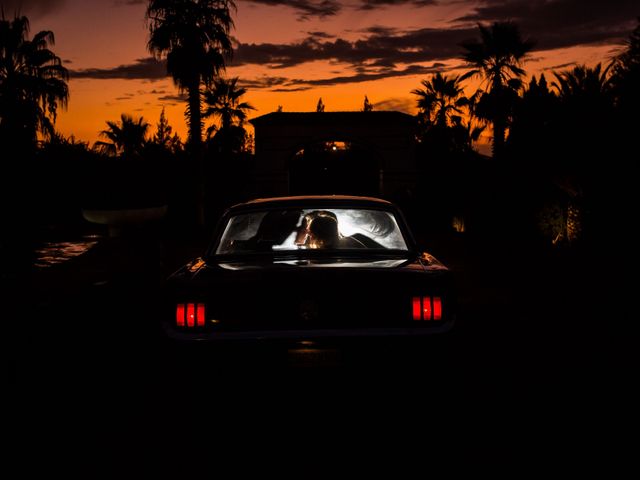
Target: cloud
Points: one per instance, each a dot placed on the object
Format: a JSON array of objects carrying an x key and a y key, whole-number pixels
[
  {"x": 386, "y": 52},
  {"x": 382, "y": 48},
  {"x": 367, "y": 76},
  {"x": 375, "y": 4},
  {"x": 264, "y": 81},
  {"x": 293, "y": 89},
  {"x": 139, "y": 93},
  {"x": 174, "y": 98},
  {"x": 552, "y": 24},
  {"x": 561, "y": 23},
  {"x": 379, "y": 30},
  {"x": 559, "y": 67},
  {"x": 320, "y": 35},
  {"x": 31, "y": 8},
  {"x": 399, "y": 104},
  {"x": 152, "y": 69},
  {"x": 364, "y": 74},
  {"x": 306, "y": 9},
  {"x": 143, "y": 69}
]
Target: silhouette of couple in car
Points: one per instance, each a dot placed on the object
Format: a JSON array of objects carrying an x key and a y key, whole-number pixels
[{"x": 318, "y": 230}]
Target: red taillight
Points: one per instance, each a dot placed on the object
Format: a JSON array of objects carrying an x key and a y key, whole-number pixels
[
  {"x": 190, "y": 314},
  {"x": 180, "y": 315},
  {"x": 200, "y": 314},
  {"x": 437, "y": 308},
  {"x": 417, "y": 308},
  {"x": 426, "y": 308}
]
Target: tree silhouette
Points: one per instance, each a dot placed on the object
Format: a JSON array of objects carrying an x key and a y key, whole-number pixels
[
  {"x": 442, "y": 105},
  {"x": 127, "y": 138},
  {"x": 194, "y": 36},
  {"x": 367, "y": 105},
  {"x": 223, "y": 102},
  {"x": 585, "y": 110},
  {"x": 467, "y": 132},
  {"x": 626, "y": 76},
  {"x": 561, "y": 141},
  {"x": 583, "y": 84},
  {"x": 622, "y": 161},
  {"x": 33, "y": 84},
  {"x": 163, "y": 136},
  {"x": 535, "y": 114},
  {"x": 497, "y": 59},
  {"x": 442, "y": 97},
  {"x": 58, "y": 194},
  {"x": 320, "y": 105}
]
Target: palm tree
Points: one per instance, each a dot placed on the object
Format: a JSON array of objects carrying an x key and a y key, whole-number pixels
[
  {"x": 127, "y": 138},
  {"x": 223, "y": 101},
  {"x": 441, "y": 99},
  {"x": 583, "y": 84},
  {"x": 626, "y": 75},
  {"x": 474, "y": 127},
  {"x": 33, "y": 84},
  {"x": 532, "y": 124},
  {"x": 194, "y": 36},
  {"x": 497, "y": 59},
  {"x": 443, "y": 105}
]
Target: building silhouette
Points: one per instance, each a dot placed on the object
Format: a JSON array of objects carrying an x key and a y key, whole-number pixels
[{"x": 364, "y": 153}]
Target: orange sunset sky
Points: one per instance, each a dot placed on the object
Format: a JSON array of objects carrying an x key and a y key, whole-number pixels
[{"x": 292, "y": 52}]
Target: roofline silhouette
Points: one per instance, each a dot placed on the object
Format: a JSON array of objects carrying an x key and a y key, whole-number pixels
[{"x": 331, "y": 117}]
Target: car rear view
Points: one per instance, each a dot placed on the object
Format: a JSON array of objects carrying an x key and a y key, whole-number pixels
[{"x": 310, "y": 268}]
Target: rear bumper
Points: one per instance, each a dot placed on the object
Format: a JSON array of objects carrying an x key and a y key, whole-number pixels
[{"x": 318, "y": 334}]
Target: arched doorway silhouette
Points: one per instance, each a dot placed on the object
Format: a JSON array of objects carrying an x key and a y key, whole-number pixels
[{"x": 334, "y": 167}]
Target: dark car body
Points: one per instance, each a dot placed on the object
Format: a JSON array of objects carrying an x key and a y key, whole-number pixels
[{"x": 305, "y": 294}]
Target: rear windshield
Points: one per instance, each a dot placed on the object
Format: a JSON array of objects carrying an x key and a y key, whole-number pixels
[{"x": 311, "y": 229}]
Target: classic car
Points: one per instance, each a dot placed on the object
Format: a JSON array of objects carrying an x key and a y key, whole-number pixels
[{"x": 309, "y": 268}]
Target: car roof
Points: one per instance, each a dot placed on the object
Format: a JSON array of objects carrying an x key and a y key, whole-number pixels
[{"x": 315, "y": 200}]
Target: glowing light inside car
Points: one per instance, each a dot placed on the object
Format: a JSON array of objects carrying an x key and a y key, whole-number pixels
[{"x": 245, "y": 232}]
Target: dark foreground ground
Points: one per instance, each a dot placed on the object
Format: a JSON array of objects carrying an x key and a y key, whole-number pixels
[{"x": 541, "y": 361}]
